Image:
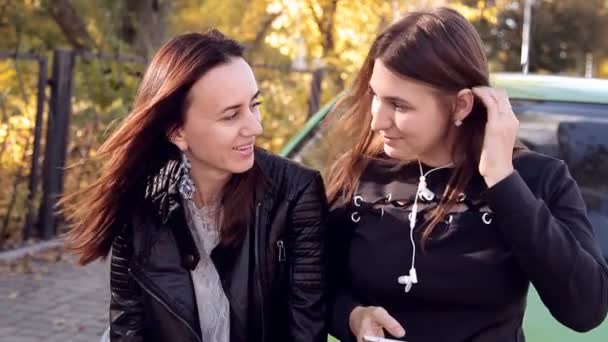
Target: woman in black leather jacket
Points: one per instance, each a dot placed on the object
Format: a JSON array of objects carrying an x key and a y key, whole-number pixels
[{"x": 211, "y": 238}]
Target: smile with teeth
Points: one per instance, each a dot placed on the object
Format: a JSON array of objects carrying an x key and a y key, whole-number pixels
[{"x": 243, "y": 148}]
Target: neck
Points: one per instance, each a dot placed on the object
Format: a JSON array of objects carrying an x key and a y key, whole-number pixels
[
  {"x": 209, "y": 184},
  {"x": 441, "y": 154},
  {"x": 436, "y": 159}
]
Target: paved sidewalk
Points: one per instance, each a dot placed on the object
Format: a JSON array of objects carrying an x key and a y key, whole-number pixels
[{"x": 42, "y": 299}]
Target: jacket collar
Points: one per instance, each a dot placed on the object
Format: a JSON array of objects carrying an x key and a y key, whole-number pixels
[
  {"x": 162, "y": 187},
  {"x": 162, "y": 190},
  {"x": 166, "y": 202}
]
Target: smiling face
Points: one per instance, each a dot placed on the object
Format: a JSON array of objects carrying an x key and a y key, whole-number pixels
[
  {"x": 415, "y": 119},
  {"x": 222, "y": 120}
]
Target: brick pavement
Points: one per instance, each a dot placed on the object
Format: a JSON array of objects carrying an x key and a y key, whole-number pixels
[{"x": 44, "y": 300}]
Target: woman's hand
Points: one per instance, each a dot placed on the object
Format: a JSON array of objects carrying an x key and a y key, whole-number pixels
[
  {"x": 496, "y": 161},
  {"x": 370, "y": 320}
]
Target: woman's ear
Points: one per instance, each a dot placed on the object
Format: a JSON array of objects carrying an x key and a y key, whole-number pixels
[
  {"x": 463, "y": 105},
  {"x": 178, "y": 138}
]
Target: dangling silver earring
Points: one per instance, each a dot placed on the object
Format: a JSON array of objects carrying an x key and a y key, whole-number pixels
[
  {"x": 186, "y": 185},
  {"x": 458, "y": 123}
]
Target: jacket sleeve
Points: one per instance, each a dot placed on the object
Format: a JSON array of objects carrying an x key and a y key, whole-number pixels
[
  {"x": 307, "y": 294},
  {"x": 553, "y": 242},
  {"x": 126, "y": 311},
  {"x": 341, "y": 299}
]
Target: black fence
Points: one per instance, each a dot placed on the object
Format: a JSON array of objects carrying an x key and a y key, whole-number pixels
[{"x": 21, "y": 166}]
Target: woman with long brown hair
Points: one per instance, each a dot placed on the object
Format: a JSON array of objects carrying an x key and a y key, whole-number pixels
[
  {"x": 440, "y": 220},
  {"x": 211, "y": 238}
]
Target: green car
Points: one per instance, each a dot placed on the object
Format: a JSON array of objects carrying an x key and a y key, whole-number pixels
[{"x": 565, "y": 117}]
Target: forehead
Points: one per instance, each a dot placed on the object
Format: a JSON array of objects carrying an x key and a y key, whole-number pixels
[
  {"x": 387, "y": 83},
  {"x": 225, "y": 85}
]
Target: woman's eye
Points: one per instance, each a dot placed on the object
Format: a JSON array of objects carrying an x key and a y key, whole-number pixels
[
  {"x": 231, "y": 117},
  {"x": 400, "y": 108}
]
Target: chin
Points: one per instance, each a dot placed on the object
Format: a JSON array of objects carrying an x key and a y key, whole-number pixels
[
  {"x": 392, "y": 152},
  {"x": 242, "y": 165},
  {"x": 400, "y": 152}
]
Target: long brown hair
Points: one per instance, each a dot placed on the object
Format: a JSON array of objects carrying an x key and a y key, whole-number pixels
[
  {"x": 140, "y": 147},
  {"x": 440, "y": 48}
]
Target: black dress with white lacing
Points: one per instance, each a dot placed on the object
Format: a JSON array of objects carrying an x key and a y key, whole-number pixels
[{"x": 474, "y": 270}]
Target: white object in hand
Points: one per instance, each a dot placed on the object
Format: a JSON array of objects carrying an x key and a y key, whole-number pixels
[{"x": 378, "y": 339}]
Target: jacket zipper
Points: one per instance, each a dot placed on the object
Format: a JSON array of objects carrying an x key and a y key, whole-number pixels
[
  {"x": 282, "y": 255},
  {"x": 258, "y": 256},
  {"x": 157, "y": 297}
]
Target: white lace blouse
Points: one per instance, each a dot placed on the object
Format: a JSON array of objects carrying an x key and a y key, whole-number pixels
[{"x": 212, "y": 304}]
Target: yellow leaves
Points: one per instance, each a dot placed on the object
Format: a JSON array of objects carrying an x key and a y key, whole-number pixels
[
  {"x": 21, "y": 122},
  {"x": 284, "y": 107},
  {"x": 279, "y": 41},
  {"x": 480, "y": 11},
  {"x": 14, "y": 151},
  {"x": 7, "y": 72},
  {"x": 17, "y": 113},
  {"x": 240, "y": 19},
  {"x": 354, "y": 26},
  {"x": 274, "y": 7},
  {"x": 603, "y": 68},
  {"x": 31, "y": 4}
]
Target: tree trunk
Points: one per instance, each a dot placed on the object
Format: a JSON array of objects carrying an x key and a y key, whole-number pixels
[
  {"x": 326, "y": 25},
  {"x": 71, "y": 24},
  {"x": 144, "y": 25},
  {"x": 263, "y": 32}
]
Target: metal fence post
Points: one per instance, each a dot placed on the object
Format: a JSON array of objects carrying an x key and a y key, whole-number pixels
[
  {"x": 34, "y": 172},
  {"x": 56, "y": 141}
]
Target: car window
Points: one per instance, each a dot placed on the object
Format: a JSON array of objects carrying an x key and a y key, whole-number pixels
[{"x": 575, "y": 133}]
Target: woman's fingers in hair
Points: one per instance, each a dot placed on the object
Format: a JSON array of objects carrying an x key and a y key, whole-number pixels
[
  {"x": 496, "y": 159},
  {"x": 496, "y": 101},
  {"x": 489, "y": 100}
]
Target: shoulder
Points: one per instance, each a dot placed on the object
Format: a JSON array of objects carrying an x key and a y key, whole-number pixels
[
  {"x": 546, "y": 176},
  {"x": 531, "y": 165},
  {"x": 285, "y": 176}
]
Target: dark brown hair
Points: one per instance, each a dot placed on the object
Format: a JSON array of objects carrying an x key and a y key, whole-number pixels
[
  {"x": 440, "y": 48},
  {"x": 140, "y": 147}
]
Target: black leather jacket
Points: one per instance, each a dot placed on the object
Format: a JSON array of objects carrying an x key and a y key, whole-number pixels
[{"x": 274, "y": 279}]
